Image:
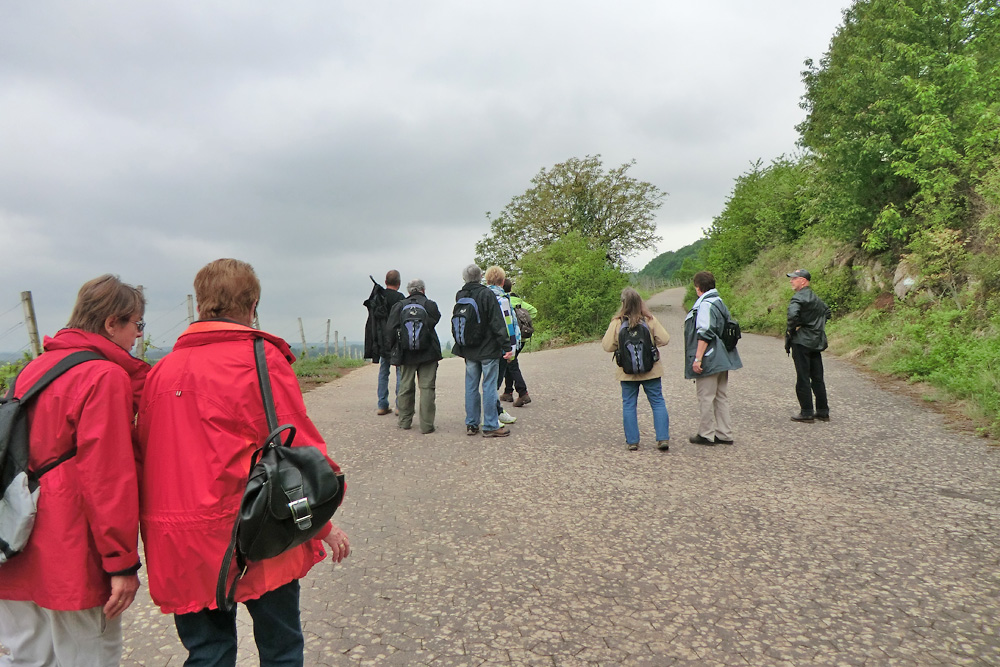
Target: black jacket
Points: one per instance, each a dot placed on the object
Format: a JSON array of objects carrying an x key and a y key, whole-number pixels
[
  {"x": 496, "y": 340},
  {"x": 399, "y": 356},
  {"x": 379, "y": 303},
  {"x": 807, "y": 316}
]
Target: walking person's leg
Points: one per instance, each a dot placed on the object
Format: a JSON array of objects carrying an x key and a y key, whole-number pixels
[
  {"x": 24, "y": 630},
  {"x": 473, "y": 399},
  {"x": 661, "y": 418},
  {"x": 85, "y": 638},
  {"x": 427, "y": 380},
  {"x": 723, "y": 418},
  {"x": 818, "y": 384},
  {"x": 407, "y": 394},
  {"x": 277, "y": 627},
  {"x": 383, "y": 385},
  {"x": 803, "y": 382},
  {"x": 209, "y": 636},
  {"x": 630, "y": 421},
  {"x": 491, "y": 415},
  {"x": 705, "y": 389}
]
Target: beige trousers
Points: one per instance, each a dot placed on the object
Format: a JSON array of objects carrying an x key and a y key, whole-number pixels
[
  {"x": 424, "y": 376},
  {"x": 42, "y": 637},
  {"x": 713, "y": 402}
]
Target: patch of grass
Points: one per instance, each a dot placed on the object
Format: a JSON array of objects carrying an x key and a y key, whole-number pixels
[{"x": 315, "y": 371}]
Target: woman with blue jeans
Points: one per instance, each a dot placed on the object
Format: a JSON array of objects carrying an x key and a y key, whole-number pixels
[{"x": 634, "y": 313}]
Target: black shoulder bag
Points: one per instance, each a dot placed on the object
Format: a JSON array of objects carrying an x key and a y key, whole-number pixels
[{"x": 291, "y": 494}]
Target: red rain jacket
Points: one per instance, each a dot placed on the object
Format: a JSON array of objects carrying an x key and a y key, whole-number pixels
[
  {"x": 200, "y": 421},
  {"x": 87, "y": 525}
]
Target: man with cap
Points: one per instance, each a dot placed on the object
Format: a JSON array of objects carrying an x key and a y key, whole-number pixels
[{"x": 805, "y": 340}]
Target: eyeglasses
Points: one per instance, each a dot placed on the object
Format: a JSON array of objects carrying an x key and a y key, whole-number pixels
[{"x": 140, "y": 325}]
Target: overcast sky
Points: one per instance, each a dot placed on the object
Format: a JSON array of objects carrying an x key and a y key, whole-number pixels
[{"x": 323, "y": 141}]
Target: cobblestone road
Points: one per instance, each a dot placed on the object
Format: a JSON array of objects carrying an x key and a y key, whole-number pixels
[{"x": 869, "y": 540}]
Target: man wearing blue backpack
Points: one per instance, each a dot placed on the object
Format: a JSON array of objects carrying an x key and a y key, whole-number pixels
[
  {"x": 416, "y": 351},
  {"x": 481, "y": 337}
]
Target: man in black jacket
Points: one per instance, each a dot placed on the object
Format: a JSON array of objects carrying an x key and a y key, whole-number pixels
[
  {"x": 489, "y": 342},
  {"x": 392, "y": 297},
  {"x": 416, "y": 351},
  {"x": 805, "y": 338}
]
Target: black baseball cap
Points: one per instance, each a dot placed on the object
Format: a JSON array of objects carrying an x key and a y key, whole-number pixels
[{"x": 799, "y": 273}]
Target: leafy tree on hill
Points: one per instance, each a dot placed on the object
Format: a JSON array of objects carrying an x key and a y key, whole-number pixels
[
  {"x": 668, "y": 264},
  {"x": 611, "y": 208}
]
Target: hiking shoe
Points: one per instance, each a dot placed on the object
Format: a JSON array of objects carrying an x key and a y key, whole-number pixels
[
  {"x": 471, "y": 430},
  {"x": 506, "y": 418},
  {"x": 501, "y": 432},
  {"x": 720, "y": 441},
  {"x": 663, "y": 445},
  {"x": 697, "y": 439},
  {"x": 383, "y": 411},
  {"x": 430, "y": 430},
  {"x": 823, "y": 417},
  {"x": 507, "y": 397},
  {"x": 803, "y": 418},
  {"x": 633, "y": 446},
  {"x": 407, "y": 427},
  {"x": 522, "y": 400}
]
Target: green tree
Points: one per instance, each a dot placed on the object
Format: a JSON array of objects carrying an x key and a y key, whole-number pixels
[
  {"x": 902, "y": 117},
  {"x": 611, "y": 208},
  {"x": 574, "y": 287}
]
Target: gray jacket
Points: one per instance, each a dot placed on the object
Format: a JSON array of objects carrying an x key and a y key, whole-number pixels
[
  {"x": 705, "y": 321},
  {"x": 807, "y": 316}
]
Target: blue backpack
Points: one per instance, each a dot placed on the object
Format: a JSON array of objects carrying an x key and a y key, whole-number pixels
[
  {"x": 636, "y": 352},
  {"x": 466, "y": 325},
  {"x": 413, "y": 327}
]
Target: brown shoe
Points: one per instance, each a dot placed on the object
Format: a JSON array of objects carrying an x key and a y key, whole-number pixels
[
  {"x": 507, "y": 398},
  {"x": 522, "y": 400},
  {"x": 501, "y": 432},
  {"x": 383, "y": 411}
]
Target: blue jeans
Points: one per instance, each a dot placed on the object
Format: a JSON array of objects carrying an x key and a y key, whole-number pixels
[
  {"x": 383, "y": 382},
  {"x": 654, "y": 394},
  {"x": 484, "y": 405},
  {"x": 209, "y": 635}
]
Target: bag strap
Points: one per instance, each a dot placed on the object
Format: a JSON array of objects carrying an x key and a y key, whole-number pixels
[
  {"x": 61, "y": 367},
  {"x": 264, "y": 380}
]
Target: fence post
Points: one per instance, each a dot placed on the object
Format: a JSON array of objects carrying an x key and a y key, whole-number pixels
[
  {"x": 327, "y": 353},
  {"x": 302, "y": 332},
  {"x": 190, "y": 309},
  {"x": 31, "y": 324},
  {"x": 336, "y": 343},
  {"x": 141, "y": 347}
]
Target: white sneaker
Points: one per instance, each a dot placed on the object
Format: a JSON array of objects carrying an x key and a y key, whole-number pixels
[{"x": 507, "y": 418}]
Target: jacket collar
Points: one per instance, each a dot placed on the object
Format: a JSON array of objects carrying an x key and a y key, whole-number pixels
[
  {"x": 206, "y": 332},
  {"x": 78, "y": 339}
]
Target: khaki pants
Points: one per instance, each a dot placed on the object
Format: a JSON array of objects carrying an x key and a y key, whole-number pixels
[
  {"x": 424, "y": 375},
  {"x": 42, "y": 637},
  {"x": 713, "y": 402}
]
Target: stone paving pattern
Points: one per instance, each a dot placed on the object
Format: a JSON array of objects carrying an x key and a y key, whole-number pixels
[{"x": 869, "y": 540}]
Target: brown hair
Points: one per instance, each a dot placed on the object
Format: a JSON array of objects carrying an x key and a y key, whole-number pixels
[
  {"x": 495, "y": 275},
  {"x": 226, "y": 288},
  {"x": 105, "y": 297},
  {"x": 633, "y": 308},
  {"x": 392, "y": 278},
  {"x": 704, "y": 280}
]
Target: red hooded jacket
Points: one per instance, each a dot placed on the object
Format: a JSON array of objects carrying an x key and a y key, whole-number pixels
[
  {"x": 200, "y": 421},
  {"x": 87, "y": 524}
]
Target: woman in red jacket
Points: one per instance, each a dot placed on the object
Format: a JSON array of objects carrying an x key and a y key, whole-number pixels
[
  {"x": 61, "y": 599},
  {"x": 200, "y": 420}
]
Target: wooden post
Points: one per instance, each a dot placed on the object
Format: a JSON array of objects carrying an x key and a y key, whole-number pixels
[
  {"x": 190, "y": 309},
  {"x": 336, "y": 343},
  {"x": 327, "y": 353},
  {"x": 302, "y": 332},
  {"x": 140, "y": 349},
  {"x": 31, "y": 324}
]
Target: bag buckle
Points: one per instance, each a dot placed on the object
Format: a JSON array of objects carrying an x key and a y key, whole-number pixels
[{"x": 301, "y": 513}]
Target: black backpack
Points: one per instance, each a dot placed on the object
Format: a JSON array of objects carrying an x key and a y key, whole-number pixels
[
  {"x": 524, "y": 321},
  {"x": 414, "y": 327},
  {"x": 20, "y": 485},
  {"x": 466, "y": 325},
  {"x": 731, "y": 333},
  {"x": 636, "y": 352}
]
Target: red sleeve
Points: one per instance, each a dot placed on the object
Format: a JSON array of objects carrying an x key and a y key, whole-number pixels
[{"x": 106, "y": 465}]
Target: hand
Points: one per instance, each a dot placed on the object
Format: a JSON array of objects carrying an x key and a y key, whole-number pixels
[
  {"x": 123, "y": 590},
  {"x": 696, "y": 367},
  {"x": 340, "y": 546},
  {"x": 788, "y": 343},
  {"x": 509, "y": 355}
]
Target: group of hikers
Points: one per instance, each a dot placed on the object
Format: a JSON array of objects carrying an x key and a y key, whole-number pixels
[
  {"x": 115, "y": 445},
  {"x": 490, "y": 325}
]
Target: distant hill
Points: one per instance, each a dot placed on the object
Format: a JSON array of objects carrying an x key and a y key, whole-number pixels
[{"x": 665, "y": 266}]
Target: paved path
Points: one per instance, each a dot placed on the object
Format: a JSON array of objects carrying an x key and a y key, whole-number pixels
[{"x": 869, "y": 540}]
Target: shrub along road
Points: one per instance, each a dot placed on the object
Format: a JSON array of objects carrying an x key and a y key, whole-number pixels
[{"x": 871, "y": 539}]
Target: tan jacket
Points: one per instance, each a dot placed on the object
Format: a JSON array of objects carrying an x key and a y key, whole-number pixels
[{"x": 610, "y": 344}]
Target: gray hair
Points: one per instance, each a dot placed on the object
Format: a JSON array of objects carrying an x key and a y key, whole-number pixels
[
  {"x": 416, "y": 285},
  {"x": 472, "y": 273}
]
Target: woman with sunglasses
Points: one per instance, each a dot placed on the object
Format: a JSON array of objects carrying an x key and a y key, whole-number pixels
[{"x": 62, "y": 597}]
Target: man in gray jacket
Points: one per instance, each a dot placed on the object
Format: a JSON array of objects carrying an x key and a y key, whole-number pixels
[
  {"x": 805, "y": 339},
  {"x": 708, "y": 362}
]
